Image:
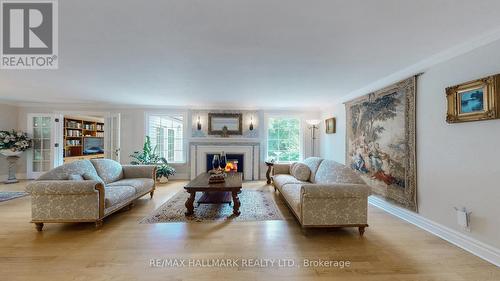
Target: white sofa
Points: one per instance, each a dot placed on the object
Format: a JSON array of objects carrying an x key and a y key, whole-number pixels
[
  {"x": 88, "y": 191},
  {"x": 331, "y": 195}
]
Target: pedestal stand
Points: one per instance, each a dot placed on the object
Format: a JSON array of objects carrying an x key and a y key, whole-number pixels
[{"x": 12, "y": 169}]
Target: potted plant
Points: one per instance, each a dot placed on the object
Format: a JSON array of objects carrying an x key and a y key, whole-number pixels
[
  {"x": 163, "y": 171},
  {"x": 148, "y": 156},
  {"x": 12, "y": 144}
]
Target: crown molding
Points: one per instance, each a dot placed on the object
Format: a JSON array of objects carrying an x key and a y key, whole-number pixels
[
  {"x": 114, "y": 107},
  {"x": 421, "y": 66}
]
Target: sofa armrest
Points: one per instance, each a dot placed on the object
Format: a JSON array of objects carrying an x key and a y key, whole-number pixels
[
  {"x": 281, "y": 169},
  {"x": 139, "y": 171},
  {"x": 335, "y": 191},
  {"x": 63, "y": 187}
]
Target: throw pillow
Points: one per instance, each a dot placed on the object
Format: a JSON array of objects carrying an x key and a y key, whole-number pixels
[
  {"x": 92, "y": 177},
  {"x": 292, "y": 166},
  {"x": 75, "y": 177},
  {"x": 108, "y": 170},
  {"x": 301, "y": 171}
]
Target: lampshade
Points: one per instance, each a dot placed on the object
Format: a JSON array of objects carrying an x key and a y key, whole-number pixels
[{"x": 313, "y": 122}]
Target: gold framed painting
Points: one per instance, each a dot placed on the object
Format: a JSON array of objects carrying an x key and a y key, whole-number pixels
[
  {"x": 330, "y": 126},
  {"x": 475, "y": 100}
]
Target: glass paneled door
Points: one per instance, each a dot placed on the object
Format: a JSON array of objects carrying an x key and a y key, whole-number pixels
[
  {"x": 112, "y": 125},
  {"x": 44, "y": 155}
]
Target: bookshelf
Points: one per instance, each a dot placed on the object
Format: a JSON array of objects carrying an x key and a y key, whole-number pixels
[{"x": 75, "y": 131}]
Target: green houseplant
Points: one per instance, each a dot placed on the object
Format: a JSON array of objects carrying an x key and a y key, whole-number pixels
[{"x": 149, "y": 156}]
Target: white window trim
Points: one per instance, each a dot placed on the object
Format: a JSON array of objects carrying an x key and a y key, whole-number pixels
[
  {"x": 169, "y": 113},
  {"x": 299, "y": 116}
]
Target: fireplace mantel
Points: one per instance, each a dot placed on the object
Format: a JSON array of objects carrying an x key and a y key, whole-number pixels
[
  {"x": 229, "y": 140},
  {"x": 198, "y": 151}
]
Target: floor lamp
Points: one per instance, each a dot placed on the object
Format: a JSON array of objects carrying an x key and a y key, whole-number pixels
[{"x": 313, "y": 125}]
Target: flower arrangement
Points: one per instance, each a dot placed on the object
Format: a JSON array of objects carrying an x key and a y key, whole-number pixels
[
  {"x": 148, "y": 156},
  {"x": 14, "y": 141}
]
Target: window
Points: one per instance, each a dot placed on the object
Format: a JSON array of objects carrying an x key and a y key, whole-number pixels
[
  {"x": 171, "y": 145},
  {"x": 283, "y": 139},
  {"x": 166, "y": 134}
]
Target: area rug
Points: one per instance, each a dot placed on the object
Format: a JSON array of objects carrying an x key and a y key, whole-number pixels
[
  {"x": 9, "y": 195},
  {"x": 256, "y": 205}
]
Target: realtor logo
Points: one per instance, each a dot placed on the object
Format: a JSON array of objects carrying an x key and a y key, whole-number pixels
[{"x": 28, "y": 35}]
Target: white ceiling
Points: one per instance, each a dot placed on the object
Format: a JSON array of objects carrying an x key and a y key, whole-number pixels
[{"x": 241, "y": 53}]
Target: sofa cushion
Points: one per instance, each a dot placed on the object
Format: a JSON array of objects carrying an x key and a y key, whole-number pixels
[
  {"x": 63, "y": 172},
  {"x": 281, "y": 180},
  {"x": 332, "y": 172},
  {"x": 313, "y": 164},
  {"x": 75, "y": 177},
  {"x": 138, "y": 171},
  {"x": 291, "y": 192},
  {"x": 281, "y": 168},
  {"x": 141, "y": 185},
  {"x": 117, "y": 194},
  {"x": 93, "y": 177},
  {"x": 301, "y": 171},
  {"x": 109, "y": 170},
  {"x": 336, "y": 191}
]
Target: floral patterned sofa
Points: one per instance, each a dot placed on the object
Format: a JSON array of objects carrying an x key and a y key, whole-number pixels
[
  {"x": 323, "y": 193},
  {"x": 88, "y": 191}
]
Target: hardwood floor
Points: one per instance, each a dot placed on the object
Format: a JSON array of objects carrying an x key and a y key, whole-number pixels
[{"x": 122, "y": 249}]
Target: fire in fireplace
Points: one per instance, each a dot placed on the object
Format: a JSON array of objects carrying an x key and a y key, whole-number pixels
[{"x": 234, "y": 162}]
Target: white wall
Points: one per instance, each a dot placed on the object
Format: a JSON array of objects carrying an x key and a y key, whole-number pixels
[
  {"x": 8, "y": 121},
  {"x": 333, "y": 145},
  {"x": 457, "y": 164}
]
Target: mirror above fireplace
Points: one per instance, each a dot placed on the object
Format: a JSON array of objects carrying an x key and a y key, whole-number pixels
[{"x": 225, "y": 124}]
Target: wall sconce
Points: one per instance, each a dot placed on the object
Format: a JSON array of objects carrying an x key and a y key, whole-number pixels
[
  {"x": 198, "y": 123},
  {"x": 251, "y": 123}
]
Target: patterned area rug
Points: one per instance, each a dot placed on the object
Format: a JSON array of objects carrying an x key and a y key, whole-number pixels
[
  {"x": 9, "y": 195},
  {"x": 256, "y": 205}
]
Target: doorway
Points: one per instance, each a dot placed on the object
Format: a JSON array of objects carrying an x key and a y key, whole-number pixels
[
  {"x": 83, "y": 137},
  {"x": 65, "y": 137}
]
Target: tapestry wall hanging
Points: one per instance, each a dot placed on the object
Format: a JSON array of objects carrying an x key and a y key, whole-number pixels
[{"x": 381, "y": 142}]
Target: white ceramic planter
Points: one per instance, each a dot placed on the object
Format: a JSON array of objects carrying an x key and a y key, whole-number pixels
[
  {"x": 163, "y": 179},
  {"x": 8, "y": 152}
]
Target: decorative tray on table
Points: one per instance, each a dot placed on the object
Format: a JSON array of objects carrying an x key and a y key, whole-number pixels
[{"x": 216, "y": 176}]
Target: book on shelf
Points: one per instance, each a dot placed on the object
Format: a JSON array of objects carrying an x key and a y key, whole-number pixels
[
  {"x": 77, "y": 133},
  {"x": 73, "y": 133}
]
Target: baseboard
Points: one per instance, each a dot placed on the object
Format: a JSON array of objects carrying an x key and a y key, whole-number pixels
[
  {"x": 19, "y": 176},
  {"x": 179, "y": 176},
  {"x": 478, "y": 248}
]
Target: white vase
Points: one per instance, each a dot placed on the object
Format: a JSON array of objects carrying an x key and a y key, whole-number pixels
[
  {"x": 8, "y": 152},
  {"x": 163, "y": 179}
]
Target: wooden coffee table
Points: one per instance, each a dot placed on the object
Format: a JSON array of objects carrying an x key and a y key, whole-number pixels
[{"x": 232, "y": 184}]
